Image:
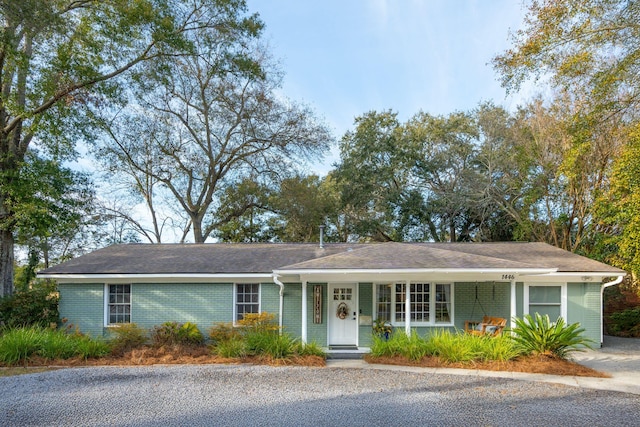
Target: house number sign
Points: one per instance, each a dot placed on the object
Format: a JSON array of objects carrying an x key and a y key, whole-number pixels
[{"x": 317, "y": 304}]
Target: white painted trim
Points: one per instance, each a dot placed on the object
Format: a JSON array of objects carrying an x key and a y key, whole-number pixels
[
  {"x": 356, "y": 297},
  {"x": 407, "y": 307},
  {"x": 82, "y": 278},
  {"x": 106, "y": 305},
  {"x": 563, "y": 297},
  {"x": 432, "y": 304},
  {"x": 521, "y": 271},
  {"x": 304, "y": 321},
  {"x": 513, "y": 308},
  {"x": 235, "y": 299}
]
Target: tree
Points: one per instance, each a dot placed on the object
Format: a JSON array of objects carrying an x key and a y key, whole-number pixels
[
  {"x": 372, "y": 176},
  {"x": 587, "y": 47},
  {"x": 59, "y": 56},
  {"x": 618, "y": 210},
  {"x": 214, "y": 121},
  {"x": 54, "y": 207},
  {"x": 301, "y": 205}
]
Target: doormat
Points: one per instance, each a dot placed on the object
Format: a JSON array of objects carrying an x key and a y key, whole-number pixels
[{"x": 343, "y": 347}]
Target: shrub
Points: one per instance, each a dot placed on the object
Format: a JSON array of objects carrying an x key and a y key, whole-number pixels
[
  {"x": 259, "y": 322},
  {"x": 88, "y": 348},
  {"x": 31, "y": 307},
  {"x": 232, "y": 348},
  {"x": 540, "y": 336},
  {"x": 309, "y": 349},
  {"x": 127, "y": 336},
  {"x": 454, "y": 347},
  {"x": 170, "y": 333},
  {"x": 222, "y": 332},
  {"x": 625, "y": 323},
  {"x": 56, "y": 345},
  {"x": 18, "y": 345}
]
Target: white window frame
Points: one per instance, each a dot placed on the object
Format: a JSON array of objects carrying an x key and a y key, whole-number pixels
[
  {"x": 235, "y": 299},
  {"x": 107, "y": 303},
  {"x": 432, "y": 302},
  {"x": 563, "y": 298}
]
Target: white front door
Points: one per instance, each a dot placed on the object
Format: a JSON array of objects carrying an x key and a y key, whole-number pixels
[{"x": 343, "y": 314}]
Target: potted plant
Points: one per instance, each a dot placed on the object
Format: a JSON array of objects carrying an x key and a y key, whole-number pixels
[{"x": 382, "y": 328}]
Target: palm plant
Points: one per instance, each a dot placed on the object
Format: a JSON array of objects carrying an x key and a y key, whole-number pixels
[{"x": 541, "y": 336}]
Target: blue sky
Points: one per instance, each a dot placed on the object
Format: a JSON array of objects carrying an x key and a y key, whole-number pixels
[{"x": 347, "y": 57}]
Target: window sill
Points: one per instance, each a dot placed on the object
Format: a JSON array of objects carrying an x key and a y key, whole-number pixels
[{"x": 423, "y": 325}]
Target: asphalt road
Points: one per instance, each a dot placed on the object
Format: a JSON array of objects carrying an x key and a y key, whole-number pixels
[{"x": 293, "y": 396}]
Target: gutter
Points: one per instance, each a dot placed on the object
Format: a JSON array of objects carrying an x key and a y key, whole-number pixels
[
  {"x": 606, "y": 285},
  {"x": 279, "y": 283}
]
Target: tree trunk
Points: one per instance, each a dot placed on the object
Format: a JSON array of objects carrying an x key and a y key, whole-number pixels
[
  {"x": 197, "y": 229},
  {"x": 6, "y": 263}
]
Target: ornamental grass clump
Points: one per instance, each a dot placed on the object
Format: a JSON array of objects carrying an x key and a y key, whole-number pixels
[
  {"x": 21, "y": 344},
  {"x": 454, "y": 347},
  {"x": 541, "y": 336}
]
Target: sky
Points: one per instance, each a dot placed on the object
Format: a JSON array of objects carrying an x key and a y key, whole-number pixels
[{"x": 345, "y": 58}]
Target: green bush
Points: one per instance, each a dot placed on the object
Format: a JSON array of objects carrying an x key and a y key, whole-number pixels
[
  {"x": 20, "y": 344},
  {"x": 268, "y": 342},
  {"x": 231, "y": 348},
  {"x": 540, "y": 336},
  {"x": 309, "y": 349},
  {"x": 625, "y": 323},
  {"x": 455, "y": 347},
  {"x": 412, "y": 346},
  {"x": 88, "y": 348},
  {"x": 171, "y": 333},
  {"x": 221, "y": 332},
  {"x": 448, "y": 346},
  {"x": 127, "y": 336},
  {"x": 31, "y": 307}
]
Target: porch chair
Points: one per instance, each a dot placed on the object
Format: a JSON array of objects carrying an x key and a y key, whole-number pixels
[{"x": 490, "y": 325}]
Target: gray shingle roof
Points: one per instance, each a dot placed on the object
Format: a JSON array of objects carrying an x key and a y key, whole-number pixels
[{"x": 267, "y": 257}]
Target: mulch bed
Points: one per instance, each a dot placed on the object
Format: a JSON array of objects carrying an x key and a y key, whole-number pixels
[
  {"x": 201, "y": 355},
  {"x": 539, "y": 364}
]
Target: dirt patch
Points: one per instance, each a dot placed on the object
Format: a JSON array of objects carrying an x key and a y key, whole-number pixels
[{"x": 539, "y": 364}]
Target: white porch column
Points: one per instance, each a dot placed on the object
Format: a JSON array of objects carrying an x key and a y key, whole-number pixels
[
  {"x": 512, "y": 324},
  {"x": 304, "y": 312},
  {"x": 407, "y": 308}
]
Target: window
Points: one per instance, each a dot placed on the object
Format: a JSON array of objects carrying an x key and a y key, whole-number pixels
[
  {"x": 384, "y": 302},
  {"x": 247, "y": 299},
  {"x": 546, "y": 299},
  {"x": 429, "y": 302},
  {"x": 119, "y": 304}
]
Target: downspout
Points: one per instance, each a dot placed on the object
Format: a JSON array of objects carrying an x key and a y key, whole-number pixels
[
  {"x": 279, "y": 283},
  {"x": 605, "y": 285}
]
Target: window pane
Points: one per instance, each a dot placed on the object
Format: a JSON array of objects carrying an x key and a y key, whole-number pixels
[
  {"x": 383, "y": 302},
  {"x": 443, "y": 303},
  {"x": 119, "y": 304},
  {"x": 247, "y": 299},
  {"x": 552, "y": 310},
  {"x": 544, "y": 294}
]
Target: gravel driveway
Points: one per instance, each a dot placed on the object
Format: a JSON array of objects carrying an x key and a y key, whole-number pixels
[{"x": 267, "y": 396}]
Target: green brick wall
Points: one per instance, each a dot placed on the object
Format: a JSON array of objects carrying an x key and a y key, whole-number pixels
[
  {"x": 317, "y": 332},
  {"x": 493, "y": 300},
  {"x": 82, "y": 305},
  {"x": 292, "y": 309},
  {"x": 583, "y": 305},
  {"x": 201, "y": 303},
  {"x": 206, "y": 304}
]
